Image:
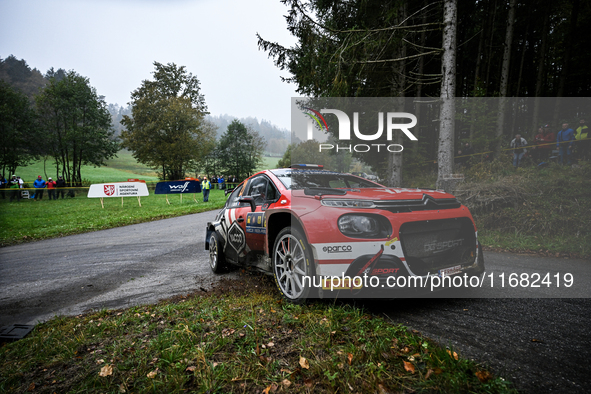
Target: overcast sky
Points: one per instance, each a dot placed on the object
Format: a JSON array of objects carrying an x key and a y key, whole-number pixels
[{"x": 115, "y": 42}]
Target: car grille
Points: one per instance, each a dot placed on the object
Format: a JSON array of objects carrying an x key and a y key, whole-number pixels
[
  {"x": 435, "y": 244},
  {"x": 427, "y": 203}
]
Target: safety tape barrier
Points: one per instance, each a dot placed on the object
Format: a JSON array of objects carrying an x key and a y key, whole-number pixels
[
  {"x": 521, "y": 147},
  {"x": 66, "y": 188}
]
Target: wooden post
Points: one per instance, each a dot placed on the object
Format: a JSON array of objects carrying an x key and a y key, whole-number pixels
[
  {"x": 168, "y": 202},
  {"x": 181, "y": 198},
  {"x": 102, "y": 205},
  {"x": 121, "y": 201},
  {"x": 138, "y": 200}
]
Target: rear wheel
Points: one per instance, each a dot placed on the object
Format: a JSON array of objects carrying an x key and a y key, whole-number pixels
[
  {"x": 217, "y": 260},
  {"x": 292, "y": 265}
]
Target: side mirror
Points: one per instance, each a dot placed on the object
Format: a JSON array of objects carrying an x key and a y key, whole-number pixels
[{"x": 249, "y": 200}]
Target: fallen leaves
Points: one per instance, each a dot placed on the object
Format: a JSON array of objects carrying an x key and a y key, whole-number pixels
[
  {"x": 454, "y": 354},
  {"x": 107, "y": 370},
  {"x": 349, "y": 358},
  {"x": 226, "y": 332},
  {"x": 483, "y": 376},
  {"x": 304, "y": 363},
  {"x": 409, "y": 366},
  {"x": 152, "y": 374}
]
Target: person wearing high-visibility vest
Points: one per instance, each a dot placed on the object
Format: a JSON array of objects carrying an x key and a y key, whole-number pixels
[{"x": 205, "y": 185}]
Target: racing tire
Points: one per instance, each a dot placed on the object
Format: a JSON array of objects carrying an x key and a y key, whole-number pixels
[
  {"x": 292, "y": 261},
  {"x": 217, "y": 260}
]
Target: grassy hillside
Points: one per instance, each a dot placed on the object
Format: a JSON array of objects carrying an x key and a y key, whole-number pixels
[
  {"x": 543, "y": 210},
  {"x": 119, "y": 169}
]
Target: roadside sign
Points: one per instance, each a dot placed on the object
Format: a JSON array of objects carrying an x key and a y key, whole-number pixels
[{"x": 118, "y": 189}]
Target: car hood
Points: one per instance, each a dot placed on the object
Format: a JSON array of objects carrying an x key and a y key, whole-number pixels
[{"x": 377, "y": 193}]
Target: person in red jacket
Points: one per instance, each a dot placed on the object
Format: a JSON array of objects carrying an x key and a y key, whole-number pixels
[
  {"x": 544, "y": 142},
  {"x": 51, "y": 188}
]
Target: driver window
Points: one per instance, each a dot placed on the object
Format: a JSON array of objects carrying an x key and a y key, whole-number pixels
[
  {"x": 233, "y": 200},
  {"x": 258, "y": 189}
]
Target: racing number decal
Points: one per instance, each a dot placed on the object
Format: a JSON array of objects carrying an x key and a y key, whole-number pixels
[{"x": 236, "y": 237}]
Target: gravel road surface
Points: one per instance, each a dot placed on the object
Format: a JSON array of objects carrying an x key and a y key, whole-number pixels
[{"x": 114, "y": 268}]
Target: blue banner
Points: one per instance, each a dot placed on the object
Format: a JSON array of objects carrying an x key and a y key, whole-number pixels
[{"x": 178, "y": 187}]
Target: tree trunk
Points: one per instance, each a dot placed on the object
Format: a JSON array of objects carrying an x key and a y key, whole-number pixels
[
  {"x": 570, "y": 37},
  {"x": 394, "y": 170},
  {"x": 448, "y": 85},
  {"x": 541, "y": 69},
  {"x": 505, "y": 76},
  {"x": 492, "y": 18}
]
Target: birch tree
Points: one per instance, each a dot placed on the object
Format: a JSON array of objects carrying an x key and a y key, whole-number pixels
[
  {"x": 505, "y": 75},
  {"x": 448, "y": 85}
]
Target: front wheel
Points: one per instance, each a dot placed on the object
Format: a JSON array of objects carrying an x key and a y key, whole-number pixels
[
  {"x": 217, "y": 260},
  {"x": 292, "y": 265}
]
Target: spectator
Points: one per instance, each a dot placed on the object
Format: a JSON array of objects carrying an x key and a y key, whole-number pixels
[
  {"x": 60, "y": 184},
  {"x": 51, "y": 184},
  {"x": 205, "y": 186},
  {"x": 546, "y": 143},
  {"x": 564, "y": 142},
  {"x": 39, "y": 185},
  {"x": 221, "y": 184},
  {"x": 15, "y": 185},
  {"x": 465, "y": 154},
  {"x": 3, "y": 184},
  {"x": 582, "y": 140},
  {"x": 518, "y": 144}
]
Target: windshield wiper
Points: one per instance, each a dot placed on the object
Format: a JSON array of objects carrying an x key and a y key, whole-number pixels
[{"x": 321, "y": 191}]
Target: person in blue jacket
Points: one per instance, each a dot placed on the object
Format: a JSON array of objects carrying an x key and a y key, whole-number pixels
[
  {"x": 39, "y": 185},
  {"x": 564, "y": 142}
]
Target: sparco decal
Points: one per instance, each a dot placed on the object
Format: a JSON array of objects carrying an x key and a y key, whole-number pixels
[
  {"x": 338, "y": 249},
  {"x": 438, "y": 246}
]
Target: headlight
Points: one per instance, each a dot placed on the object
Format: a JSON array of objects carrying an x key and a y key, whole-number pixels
[{"x": 364, "y": 226}]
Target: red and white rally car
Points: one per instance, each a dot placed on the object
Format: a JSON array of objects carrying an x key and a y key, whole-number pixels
[{"x": 317, "y": 225}]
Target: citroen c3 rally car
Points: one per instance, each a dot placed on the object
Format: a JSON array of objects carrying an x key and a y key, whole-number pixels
[{"x": 316, "y": 225}]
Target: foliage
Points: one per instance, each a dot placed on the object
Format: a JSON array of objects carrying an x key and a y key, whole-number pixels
[
  {"x": 239, "y": 151},
  {"x": 285, "y": 161},
  {"x": 166, "y": 129},
  {"x": 277, "y": 138},
  {"x": 19, "y": 136},
  {"x": 371, "y": 48},
  {"x": 76, "y": 125},
  {"x": 238, "y": 337},
  {"x": 20, "y": 76},
  {"x": 535, "y": 209}
]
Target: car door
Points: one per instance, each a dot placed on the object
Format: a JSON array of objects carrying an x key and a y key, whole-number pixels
[
  {"x": 234, "y": 213},
  {"x": 262, "y": 191}
]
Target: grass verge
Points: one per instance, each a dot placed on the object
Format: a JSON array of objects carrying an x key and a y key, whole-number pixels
[
  {"x": 240, "y": 337},
  {"x": 30, "y": 220}
]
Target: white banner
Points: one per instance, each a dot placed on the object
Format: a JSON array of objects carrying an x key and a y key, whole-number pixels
[{"x": 118, "y": 189}]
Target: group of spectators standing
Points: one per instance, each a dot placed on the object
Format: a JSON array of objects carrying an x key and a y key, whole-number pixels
[
  {"x": 569, "y": 143},
  {"x": 16, "y": 183}
]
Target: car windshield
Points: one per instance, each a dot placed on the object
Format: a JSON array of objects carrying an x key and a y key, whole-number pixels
[{"x": 300, "y": 179}]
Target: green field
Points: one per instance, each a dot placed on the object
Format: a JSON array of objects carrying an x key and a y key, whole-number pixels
[
  {"x": 118, "y": 169},
  {"x": 31, "y": 220}
]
